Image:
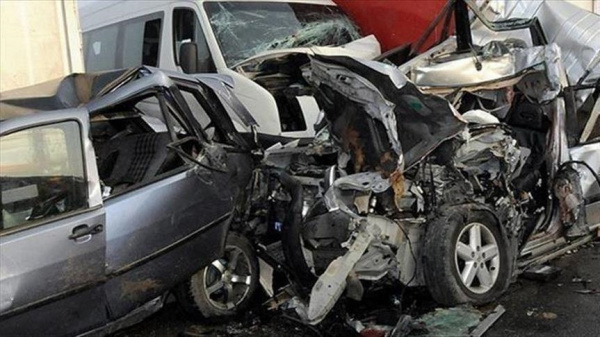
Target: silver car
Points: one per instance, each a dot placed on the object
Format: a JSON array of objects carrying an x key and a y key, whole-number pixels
[{"x": 117, "y": 187}]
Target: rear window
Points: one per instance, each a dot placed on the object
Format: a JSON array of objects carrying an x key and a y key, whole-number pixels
[{"x": 126, "y": 44}]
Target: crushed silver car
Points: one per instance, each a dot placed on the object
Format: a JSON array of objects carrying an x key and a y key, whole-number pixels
[
  {"x": 117, "y": 189},
  {"x": 457, "y": 177}
]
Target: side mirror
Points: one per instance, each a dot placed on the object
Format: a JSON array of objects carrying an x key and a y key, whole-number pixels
[
  {"x": 192, "y": 61},
  {"x": 188, "y": 57}
]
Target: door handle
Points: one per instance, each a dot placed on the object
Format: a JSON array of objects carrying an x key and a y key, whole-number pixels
[{"x": 82, "y": 231}]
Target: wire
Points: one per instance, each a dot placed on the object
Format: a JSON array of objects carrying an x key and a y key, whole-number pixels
[{"x": 414, "y": 275}]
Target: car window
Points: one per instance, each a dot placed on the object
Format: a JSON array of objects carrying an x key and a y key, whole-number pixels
[
  {"x": 187, "y": 28},
  {"x": 42, "y": 174},
  {"x": 132, "y": 141},
  {"x": 101, "y": 49},
  {"x": 245, "y": 29},
  {"x": 125, "y": 44},
  {"x": 210, "y": 129}
]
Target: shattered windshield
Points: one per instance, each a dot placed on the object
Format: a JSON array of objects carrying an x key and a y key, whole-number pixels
[{"x": 245, "y": 29}]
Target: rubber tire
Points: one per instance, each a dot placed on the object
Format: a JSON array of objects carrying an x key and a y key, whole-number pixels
[
  {"x": 195, "y": 302},
  {"x": 441, "y": 276}
]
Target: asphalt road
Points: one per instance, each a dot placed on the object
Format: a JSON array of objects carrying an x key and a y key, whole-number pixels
[
  {"x": 551, "y": 308},
  {"x": 555, "y": 308}
]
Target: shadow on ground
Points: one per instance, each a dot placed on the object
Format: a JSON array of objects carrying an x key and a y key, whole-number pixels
[{"x": 553, "y": 308}]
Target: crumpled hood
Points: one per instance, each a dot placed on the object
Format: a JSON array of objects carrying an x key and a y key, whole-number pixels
[
  {"x": 365, "y": 48},
  {"x": 378, "y": 116}
]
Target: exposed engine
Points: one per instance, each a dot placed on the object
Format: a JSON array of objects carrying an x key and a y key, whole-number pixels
[{"x": 410, "y": 160}]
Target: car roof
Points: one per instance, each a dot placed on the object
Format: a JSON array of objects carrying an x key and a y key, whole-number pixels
[
  {"x": 128, "y": 9},
  {"x": 93, "y": 91},
  {"x": 98, "y": 91},
  {"x": 68, "y": 92}
]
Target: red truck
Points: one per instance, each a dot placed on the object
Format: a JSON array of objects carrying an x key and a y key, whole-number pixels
[{"x": 395, "y": 23}]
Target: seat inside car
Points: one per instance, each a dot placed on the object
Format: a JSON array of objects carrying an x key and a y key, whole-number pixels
[{"x": 133, "y": 159}]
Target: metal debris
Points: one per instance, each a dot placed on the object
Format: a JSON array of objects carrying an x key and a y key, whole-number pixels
[
  {"x": 543, "y": 273},
  {"x": 488, "y": 321}
]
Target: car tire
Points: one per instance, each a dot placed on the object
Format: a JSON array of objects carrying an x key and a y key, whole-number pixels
[
  {"x": 225, "y": 287},
  {"x": 466, "y": 258}
]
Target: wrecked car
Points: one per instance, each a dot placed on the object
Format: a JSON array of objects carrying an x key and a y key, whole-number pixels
[
  {"x": 117, "y": 189},
  {"x": 456, "y": 171},
  {"x": 232, "y": 38}
]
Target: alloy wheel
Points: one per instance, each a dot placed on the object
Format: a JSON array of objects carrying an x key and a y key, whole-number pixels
[
  {"x": 228, "y": 279},
  {"x": 477, "y": 258}
]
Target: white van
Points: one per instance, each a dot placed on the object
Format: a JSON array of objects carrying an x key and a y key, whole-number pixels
[{"x": 257, "y": 43}]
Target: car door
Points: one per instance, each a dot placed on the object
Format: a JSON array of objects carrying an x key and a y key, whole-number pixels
[
  {"x": 169, "y": 227},
  {"x": 52, "y": 231}
]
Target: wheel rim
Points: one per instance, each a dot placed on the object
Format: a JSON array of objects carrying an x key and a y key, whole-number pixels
[
  {"x": 227, "y": 280},
  {"x": 477, "y": 258}
]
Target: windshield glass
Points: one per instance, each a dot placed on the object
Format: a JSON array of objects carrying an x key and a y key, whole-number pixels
[{"x": 244, "y": 29}]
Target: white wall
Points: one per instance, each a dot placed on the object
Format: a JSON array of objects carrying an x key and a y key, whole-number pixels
[
  {"x": 585, "y": 4},
  {"x": 39, "y": 40}
]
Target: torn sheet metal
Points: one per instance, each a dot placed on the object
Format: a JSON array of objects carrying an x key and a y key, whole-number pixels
[
  {"x": 414, "y": 123},
  {"x": 571, "y": 203},
  {"x": 575, "y": 30},
  {"x": 590, "y": 154},
  {"x": 67, "y": 92},
  {"x": 366, "y": 48},
  {"x": 329, "y": 287},
  {"x": 492, "y": 151},
  {"x": 470, "y": 71}
]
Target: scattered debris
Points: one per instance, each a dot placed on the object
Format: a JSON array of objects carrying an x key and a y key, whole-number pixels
[
  {"x": 376, "y": 331},
  {"x": 488, "y": 321},
  {"x": 580, "y": 280},
  {"x": 532, "y": 312},
  {"x": 542, "y": 273},
  {"x": 452, "y": 321},
  {"x": 403, "y": 327}
]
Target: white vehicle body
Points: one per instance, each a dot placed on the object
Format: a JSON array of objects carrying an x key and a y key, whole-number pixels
[{"x": 106, "y": 30}]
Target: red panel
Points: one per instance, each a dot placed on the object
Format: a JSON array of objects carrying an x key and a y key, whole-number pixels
[{"x": 393, "y": 22}]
